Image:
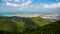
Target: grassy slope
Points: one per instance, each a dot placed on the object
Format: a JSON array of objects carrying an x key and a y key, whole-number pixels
[
  {"x": 52, "y": 28},
  {"x": 20, "y": 23},
  {"x": 40, "y": 21},
  {"x": 34, "y": 25}
]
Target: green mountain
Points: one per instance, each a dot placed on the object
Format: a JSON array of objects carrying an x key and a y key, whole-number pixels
[
  {"x": 22, "y": 25},
  {"x": 52, "y": 28}
]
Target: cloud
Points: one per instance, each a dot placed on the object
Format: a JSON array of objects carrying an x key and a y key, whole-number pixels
[
  {"x": 58, "y": 4},
  {"x": 55, "y": 5},
  {"x": 17, "y": 0},
  {"x": 50, "y": 6},
  {"x": 12, "y": 4},
  {"x": 28, "y": 2},
  {"x": 27, "y": 6},
  {"x": 22, "y": 6}
]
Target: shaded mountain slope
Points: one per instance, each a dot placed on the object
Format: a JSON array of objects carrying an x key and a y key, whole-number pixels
[
  {"x": 52, "y": 28},
  {"x": 21, "y": 23}
]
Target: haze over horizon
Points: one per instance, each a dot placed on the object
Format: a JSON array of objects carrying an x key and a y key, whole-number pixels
[{"x": 8, "y": 7}]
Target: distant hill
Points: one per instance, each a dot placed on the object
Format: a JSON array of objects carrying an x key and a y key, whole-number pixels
[{"x": 20, "y": 24}]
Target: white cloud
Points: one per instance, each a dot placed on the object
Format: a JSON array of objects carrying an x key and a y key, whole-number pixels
[
  {"x": 25, "y": 5},
  {"x": 50, "y": 6},
  {"x": 55, "y": 5},
  {"x": 28, "y": 2},
  {"x": 58, "y": 4},
  {"x": 7, "y": 3},
  {"x": 11, "y": 4},
  {"x": 28, "y": 6},
  {"x": 46, "y": 6},
  {"x": 17, "y": 0}
]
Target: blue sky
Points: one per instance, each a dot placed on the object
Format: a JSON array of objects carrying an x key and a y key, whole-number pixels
[
  {"x": 33, "y": 1},
  {"x": 29, "y": 6}
]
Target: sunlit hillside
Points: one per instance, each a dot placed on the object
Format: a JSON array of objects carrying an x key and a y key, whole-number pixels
[{"x": 20, "y": 24}]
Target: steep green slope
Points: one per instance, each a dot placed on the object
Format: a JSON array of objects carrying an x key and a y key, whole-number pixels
[
  {"x": 40, "y": 21},
  {"x": 21, "y": 24},
  {"x": 53, "y": 28}
]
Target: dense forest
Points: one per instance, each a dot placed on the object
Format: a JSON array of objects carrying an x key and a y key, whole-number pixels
[{"x": 34, "y": 25}]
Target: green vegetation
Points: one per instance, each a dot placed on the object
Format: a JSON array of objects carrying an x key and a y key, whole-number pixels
[{"x": 21, "y": 25}]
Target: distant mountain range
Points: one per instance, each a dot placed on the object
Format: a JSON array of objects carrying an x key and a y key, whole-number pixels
[
  {"x": 28, "y": 12},
  {"x": 53, "y": 17}
]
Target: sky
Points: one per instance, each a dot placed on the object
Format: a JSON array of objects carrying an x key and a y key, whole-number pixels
[{"x": 29, "y": 7}]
